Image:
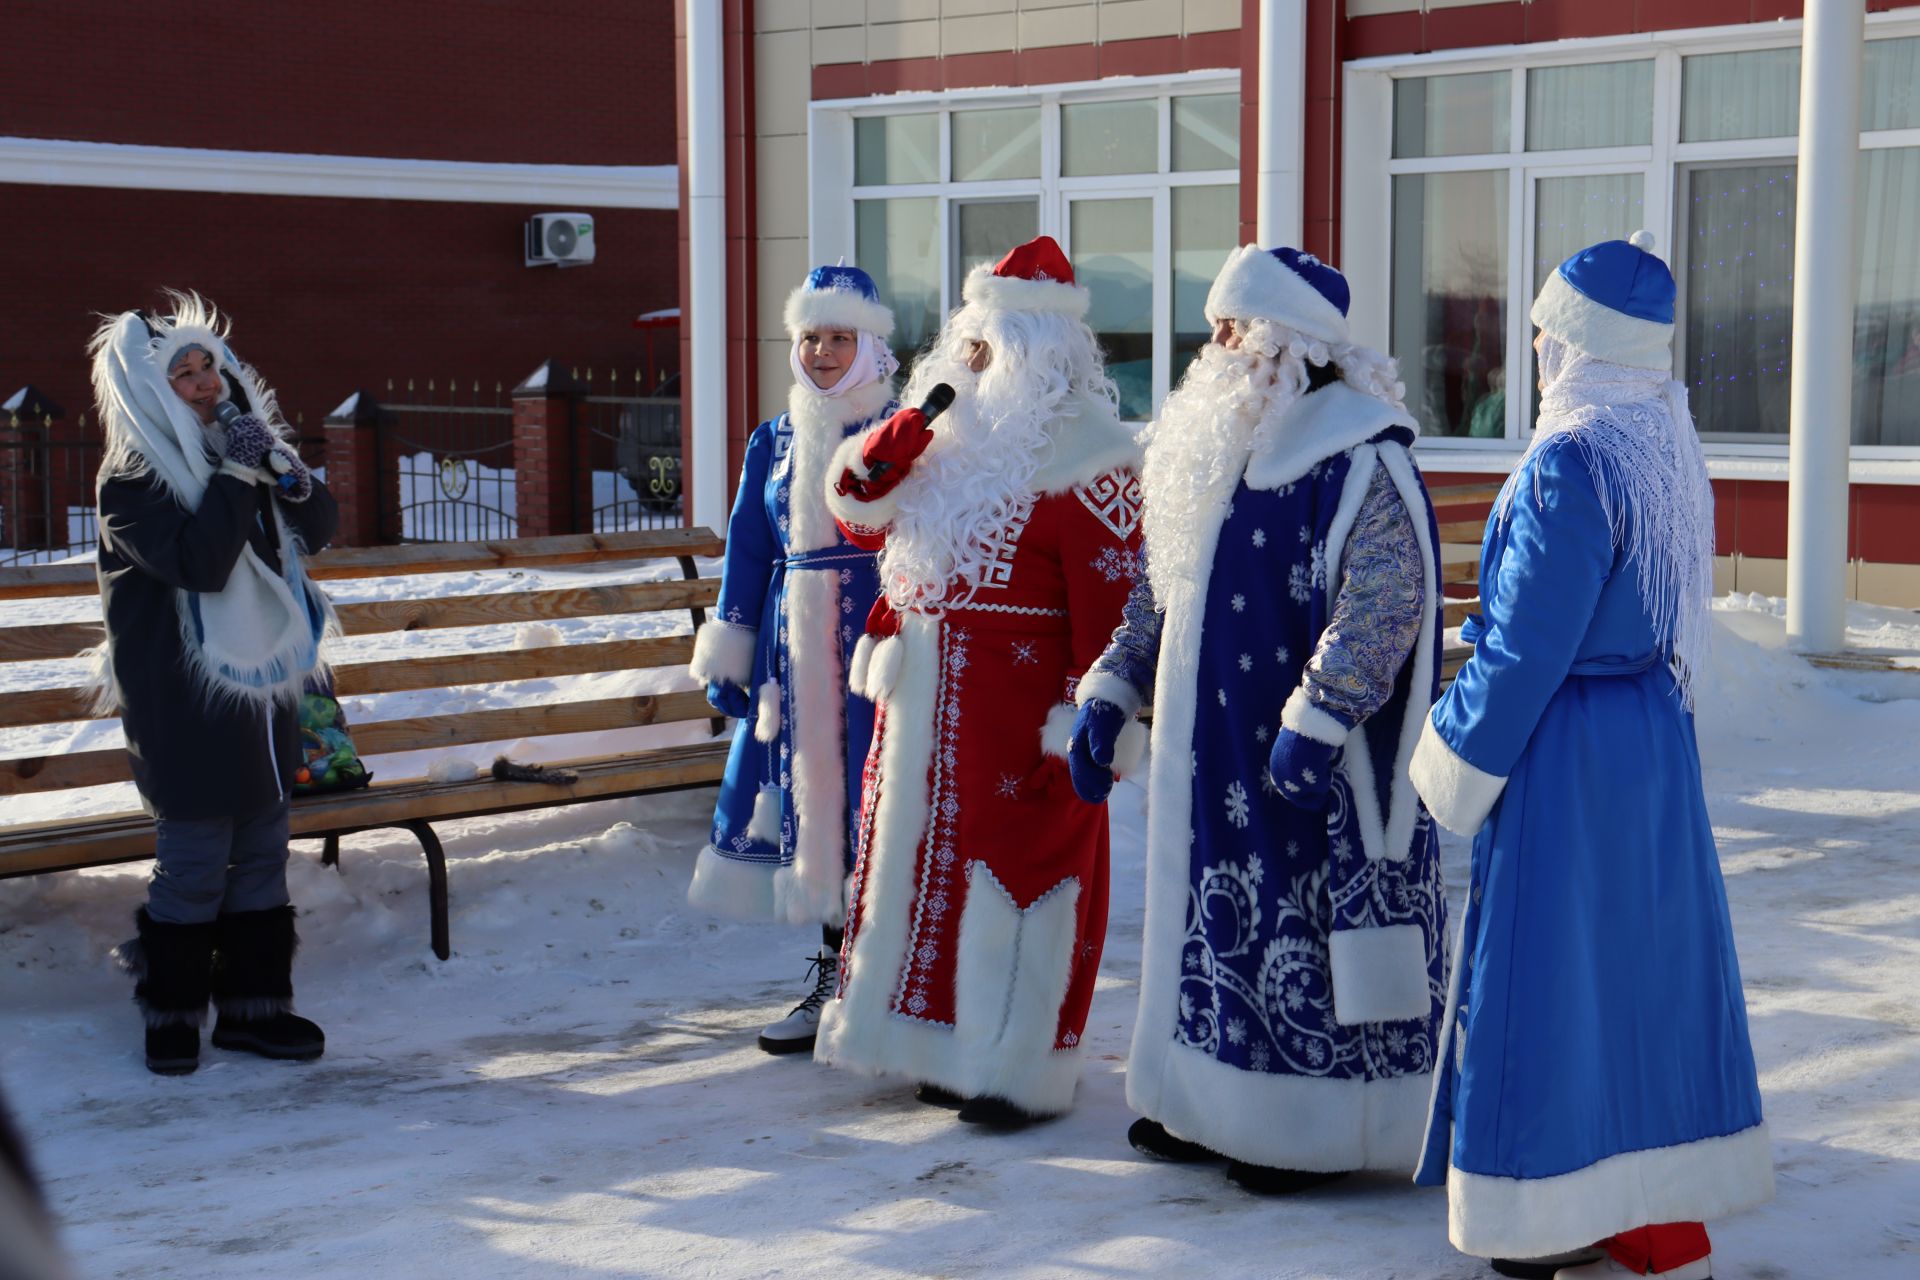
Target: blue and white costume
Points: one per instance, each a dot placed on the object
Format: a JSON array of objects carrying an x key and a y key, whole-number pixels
[
  {"x": 794, "y": 596},
  {"x": 1293, "y": 970},
  {"x": 1597, "y": 1074}
]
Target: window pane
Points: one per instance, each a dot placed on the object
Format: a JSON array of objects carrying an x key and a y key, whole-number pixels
[
  {"x": 1568, "y": 215},
  {"x": 896, "y": 242},
  {"x": 1113, "y": 258},
  {"x": 1886, "y": 330},
  {"x": 1449, "y": 295},
  {"x": 1609, "y": 104},
  {"x": 893, "y": 149},
  {"x": 1737, "y": 282},
  {"x": 1740, "y": 95},
  {"x": 1890, "y": 96},
  {"x": 1206, "y": 227},
  {"x": 1206, "y": 132},
  {"x": 1451, "y": 115},
  {"x": 1109, "y": 137},
  {"x": 985, "y": 229},
  {"x": 996, "y": 144}
]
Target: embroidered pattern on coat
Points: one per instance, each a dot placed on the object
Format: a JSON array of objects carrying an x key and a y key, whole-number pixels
[{"x": 1115, "y": 501}]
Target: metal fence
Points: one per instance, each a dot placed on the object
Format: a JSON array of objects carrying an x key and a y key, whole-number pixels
[
  {"x": 629, "y": 447},
  {"x": 447, "y": 449},
  {"x": 47, "y": 491}
]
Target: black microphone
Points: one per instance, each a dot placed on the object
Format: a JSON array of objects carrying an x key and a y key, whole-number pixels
[{"x": 938, "y": 400}]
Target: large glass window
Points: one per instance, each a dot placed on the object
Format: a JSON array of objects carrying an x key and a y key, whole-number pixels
[
  {"x": 898, "y": 243},
  {"x": 1449, "y": 297},
  {"x": 1752, "y": 94},
  {"x": 1736, "y": 273},
  {"x": 1890, "y": 87},
  {"x": 1451, "y": 115},
  {"x": 1886, "y": 330},
  {"x": 1142, "y": 192},
  {"x": 1604, "y": 104}
]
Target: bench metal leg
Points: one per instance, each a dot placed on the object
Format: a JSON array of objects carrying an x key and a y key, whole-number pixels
[
  {"x": 330, "y": 852},
  {"x": 689, "y": 570},
  {"x": 436, "y": 884}
]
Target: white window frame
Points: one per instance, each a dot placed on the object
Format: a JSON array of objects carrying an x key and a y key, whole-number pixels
[
  {"x": 1366, "y": 206},
  {"x": 832, "y": 193}
]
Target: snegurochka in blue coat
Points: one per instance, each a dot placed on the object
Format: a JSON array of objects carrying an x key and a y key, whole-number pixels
[
  {"x": 1597, "y": 1084},
  {"x": 794, "y": 596}
]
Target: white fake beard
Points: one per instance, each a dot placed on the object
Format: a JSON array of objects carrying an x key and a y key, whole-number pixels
[
  {"x": 1197, "y": 451},
  {"x": 973, "y": 483}
]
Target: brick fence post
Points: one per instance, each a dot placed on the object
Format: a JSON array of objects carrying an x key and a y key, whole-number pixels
[
  {"x": 543, "y": 482},
  {"x": 353, "y": 470},
  {"x": 27, "y": 475}
]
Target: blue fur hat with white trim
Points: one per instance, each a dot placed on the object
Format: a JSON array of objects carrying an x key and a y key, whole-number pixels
[
  {"x": 838, "y": 297},
  {"x": 1286, "y": 286},
  {"x": 1613, "y": 301}
]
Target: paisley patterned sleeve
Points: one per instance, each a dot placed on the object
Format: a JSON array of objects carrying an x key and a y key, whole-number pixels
[
  {"x": 1376, "y": 613},
  {"x": 1132, "y": 656}
]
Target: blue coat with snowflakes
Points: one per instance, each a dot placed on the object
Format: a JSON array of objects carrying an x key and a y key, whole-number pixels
[
  {"x": 1293, "y": 972},
  {"x": 794, "y": 596},
  {"x": 1598, "y": 1074}
]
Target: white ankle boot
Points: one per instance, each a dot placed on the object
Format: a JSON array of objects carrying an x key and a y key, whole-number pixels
[{"x": 796, "y": 1032}]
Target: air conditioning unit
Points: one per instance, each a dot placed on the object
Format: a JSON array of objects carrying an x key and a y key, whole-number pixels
[{"x": 560, "y": 239}]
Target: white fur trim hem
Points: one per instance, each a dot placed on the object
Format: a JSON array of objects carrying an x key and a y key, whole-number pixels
[
  {"x": 766, "y": 718},
  {"x": 1458, "y": 795},
  {"x": 731, "y": 886},
  {"x": 836, "y": 309},
  {"x": 1379, "y": 975},
  {"x": 1699, "y": 1181},
  {"x": 723, "y": 653},
  {"x": 1600, "y": 331},
  {"x": 1255, "y": 285},
  {"x": 1056, "y": 731},
  {"x": 1001, "y": 293},
  {"x": 864, "y": 517},
  {"x": 1108, "y": 687},
  {"x": 1130, "y": 749},
  {"x": 1309, "y": 721},
  {"x": 1284, "y": 1121},
  {"x": 768, "y": 808}
]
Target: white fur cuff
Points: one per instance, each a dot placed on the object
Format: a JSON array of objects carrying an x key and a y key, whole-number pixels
[
  {"x": 252, "y": 475},
  {"x": 1600, "y": 331},
  {"x": 1056, "y": 735},
  {"x": 1130, "y": 749},
  {"x": 1379, "y": 975},
  {"x": 1108, "y": 687},
  {"x": 1458, "y": 795},
  {"x": 1311, "y": 722},
  {"x": 723, "y": 653}
]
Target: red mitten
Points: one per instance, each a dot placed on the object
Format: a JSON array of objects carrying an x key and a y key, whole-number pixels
[{"x": 895, "y": 443}]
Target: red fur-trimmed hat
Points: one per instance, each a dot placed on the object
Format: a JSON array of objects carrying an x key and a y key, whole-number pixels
[{"x": 1035, "y": 276}]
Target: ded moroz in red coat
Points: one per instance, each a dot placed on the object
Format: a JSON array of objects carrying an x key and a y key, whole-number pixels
[{"x": 980, "y": 887}]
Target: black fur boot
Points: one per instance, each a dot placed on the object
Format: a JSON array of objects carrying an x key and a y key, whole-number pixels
[
  {"x": 170, "y": 964},
  {"x": 253, "y": 987}
]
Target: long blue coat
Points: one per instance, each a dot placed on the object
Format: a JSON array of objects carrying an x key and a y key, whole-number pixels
[
  {"x": 1597, "y": 1074},
  {"x": 794, "y": 596}
]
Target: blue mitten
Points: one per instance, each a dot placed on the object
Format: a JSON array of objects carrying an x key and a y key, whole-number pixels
[
  {"x": 248, "y": 441},
  {"x": 1302, "y": 769},
  {"x": 729, "y": 700},
  {"x": 1090, "y": 754},
  {"x": 291, "y": 478}
]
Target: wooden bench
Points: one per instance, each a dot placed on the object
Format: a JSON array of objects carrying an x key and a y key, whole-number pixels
[
  {"x": 1461, "y": 510},
  {"x": 412, "y": 804}
]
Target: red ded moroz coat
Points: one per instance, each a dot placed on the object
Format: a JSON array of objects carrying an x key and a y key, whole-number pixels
[{"x": 980, "y": 885}]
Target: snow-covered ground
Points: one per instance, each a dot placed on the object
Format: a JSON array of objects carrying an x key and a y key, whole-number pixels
[{"x": 577, "y": 1092}]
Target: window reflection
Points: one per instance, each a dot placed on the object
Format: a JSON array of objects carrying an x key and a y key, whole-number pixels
[{"x": 1449, "y": 296}]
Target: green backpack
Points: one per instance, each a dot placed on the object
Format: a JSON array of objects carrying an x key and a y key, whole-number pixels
[{"x": 332, "y": 764}]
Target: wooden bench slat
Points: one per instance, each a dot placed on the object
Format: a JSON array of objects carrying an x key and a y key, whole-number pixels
[
  {"x": 374, "y": 617},
  {"x": 1455, "y": 612},
  {"x": 1464, "y": 495},
  {"x": 1452, "y": 571},
  {"x": 43, "y": 581},
  {"x": 25, "y": 775},
  {"x": 386, "y": 675},
  {"x": 1461, "y": 531},
  {"x": 128, "y": 837}
]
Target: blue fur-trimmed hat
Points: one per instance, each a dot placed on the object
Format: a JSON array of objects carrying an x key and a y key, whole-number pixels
[
  {"x": 838, "y": 297},
  {"x": 1614, "y": 301},
  {"x": 1286, "y": 286}
]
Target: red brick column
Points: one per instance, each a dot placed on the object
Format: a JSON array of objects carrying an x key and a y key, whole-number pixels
[
  {"x": 353, "y": 471},
  {"x": 543, "y": 478}
]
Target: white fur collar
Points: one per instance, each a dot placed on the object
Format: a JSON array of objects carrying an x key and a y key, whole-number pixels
[
  {"x": 1086, "y": 445},
  {"x": 806, "y": 407},
  {"x": 1314, "y": 428}
]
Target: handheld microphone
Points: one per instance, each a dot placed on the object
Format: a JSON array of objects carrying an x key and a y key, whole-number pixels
[{"x": 938, "y": 401}]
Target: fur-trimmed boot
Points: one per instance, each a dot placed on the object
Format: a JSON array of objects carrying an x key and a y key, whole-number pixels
[
  {"x": 253, "y": 987},
  {"x": 170, "y": 965}
]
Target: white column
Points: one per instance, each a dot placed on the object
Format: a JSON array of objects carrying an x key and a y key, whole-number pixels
[
  {"x": 706, "y": 320},
  {"x": 1821, "y": 408},
  {"x": 1282, "y": 110}
]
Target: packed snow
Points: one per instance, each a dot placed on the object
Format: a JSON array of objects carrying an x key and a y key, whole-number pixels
[{"x": 577, "y": 1092}]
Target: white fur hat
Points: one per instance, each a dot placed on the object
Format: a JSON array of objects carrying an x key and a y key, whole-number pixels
[
  {"x": 1614, "y": 301},
  {"x": 1288, "y": 287},
  {"x": 1035, "y": 276},
  {"x": 838, "y": 297}
]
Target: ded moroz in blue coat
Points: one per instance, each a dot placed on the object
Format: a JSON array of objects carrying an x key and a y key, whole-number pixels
[
  {"x": 794, "y": 596},
  {"x": 1596, "y": 1071}
]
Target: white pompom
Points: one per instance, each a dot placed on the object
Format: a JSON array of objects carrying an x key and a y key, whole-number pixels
[{"x": 1641, "y": 240}]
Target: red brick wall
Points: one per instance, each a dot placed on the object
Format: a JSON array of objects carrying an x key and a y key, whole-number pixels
[
  {"x": 506, "y": 80},
  {"x": 326, "y": 295}
]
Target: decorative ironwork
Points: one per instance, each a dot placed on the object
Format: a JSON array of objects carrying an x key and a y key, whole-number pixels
[
  {"x": 448, "y": 452},
  {"x": 629, "y": 446}
]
